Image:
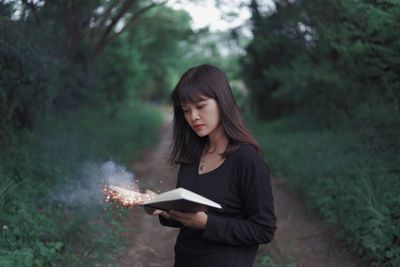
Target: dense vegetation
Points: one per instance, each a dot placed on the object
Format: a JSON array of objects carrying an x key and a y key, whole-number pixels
[
  {"x": 323, "y": 74},
  {"x": 326, "y": 77},
  {"x": 69, "y": 92},
  {"x": 39, "y": 228},
  {"x": 71, "y": 82},
  {"x": 72, "y": 76}
]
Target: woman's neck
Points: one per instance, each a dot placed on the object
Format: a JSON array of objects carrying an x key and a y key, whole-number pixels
[{"x": 217, "y": 141}]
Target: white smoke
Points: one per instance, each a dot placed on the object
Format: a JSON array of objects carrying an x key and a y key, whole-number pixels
[{"x": 86, "y": 189}]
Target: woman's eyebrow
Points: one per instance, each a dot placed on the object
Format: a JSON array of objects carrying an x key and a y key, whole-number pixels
[
  {"x": 201, "y": 100},
  {"x": 193, "y": 103}
]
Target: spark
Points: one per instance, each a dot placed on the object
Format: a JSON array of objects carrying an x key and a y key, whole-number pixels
[{"x": 126, "y": 197}]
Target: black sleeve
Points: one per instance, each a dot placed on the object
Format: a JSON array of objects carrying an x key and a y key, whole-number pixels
[{"x": 259, "y": 224}]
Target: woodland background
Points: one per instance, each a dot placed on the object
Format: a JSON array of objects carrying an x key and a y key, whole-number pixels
[{"x": 319, "y": 82}]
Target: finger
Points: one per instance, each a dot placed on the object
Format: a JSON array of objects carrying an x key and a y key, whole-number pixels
[
  {"x": 152, "y": 211},
  {"x": 174, "y": 214},
  {"x": 157, "y": 212},
  {"x": 178, "y": 218},
  {"x": 180, "y": 214}
]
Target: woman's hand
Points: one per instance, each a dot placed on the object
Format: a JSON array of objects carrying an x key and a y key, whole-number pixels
[
  {"x": 196, "y": 220},
  {"x": 152, "y": 211}
]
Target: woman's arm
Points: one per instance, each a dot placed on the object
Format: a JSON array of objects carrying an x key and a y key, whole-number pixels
[{"x": 259, "y": 224}]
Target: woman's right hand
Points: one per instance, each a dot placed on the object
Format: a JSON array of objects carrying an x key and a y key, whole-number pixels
[
  {"x": 152, "y": 211},
  {"x": 148, "y": 210}
]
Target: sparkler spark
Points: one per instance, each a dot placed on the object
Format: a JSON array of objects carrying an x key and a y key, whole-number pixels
[{"x": 126, "y": 197}]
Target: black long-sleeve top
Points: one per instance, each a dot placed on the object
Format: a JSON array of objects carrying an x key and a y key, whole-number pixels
[{"x": 241, "y": 184}]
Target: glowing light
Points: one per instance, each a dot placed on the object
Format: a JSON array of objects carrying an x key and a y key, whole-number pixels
[{"x": 126, "y": 197}]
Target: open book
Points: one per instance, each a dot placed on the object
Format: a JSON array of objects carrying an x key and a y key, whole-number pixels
[
  {"x": 125, "y": 193},
  {"x": 181, "y": 199}
]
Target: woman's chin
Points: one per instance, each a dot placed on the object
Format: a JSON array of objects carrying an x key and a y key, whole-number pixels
[{"x": 201, "y": 133}]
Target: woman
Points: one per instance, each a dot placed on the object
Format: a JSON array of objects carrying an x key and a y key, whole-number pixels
[{"x": 220, "y": 160}]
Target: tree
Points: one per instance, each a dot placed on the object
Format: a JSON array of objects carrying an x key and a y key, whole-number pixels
[{"x": 277, "y": 40}]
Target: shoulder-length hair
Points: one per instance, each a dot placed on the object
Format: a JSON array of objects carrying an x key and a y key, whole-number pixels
[{"x": 210, "y": 82}]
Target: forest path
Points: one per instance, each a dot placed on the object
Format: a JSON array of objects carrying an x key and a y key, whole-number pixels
[
  {"x": 151, "y": 243},
  {"x": 302, "y": 239}
]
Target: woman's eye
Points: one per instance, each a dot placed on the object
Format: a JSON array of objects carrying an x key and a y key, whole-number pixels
[
  {"x": 185, "y": 110},
  {"x": 200, "y": 107}
]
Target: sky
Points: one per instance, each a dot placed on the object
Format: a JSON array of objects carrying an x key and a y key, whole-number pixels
[{"x": 205, "y": 13}]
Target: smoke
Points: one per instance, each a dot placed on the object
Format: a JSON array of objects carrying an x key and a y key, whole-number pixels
[{"x": 85, "y": 189}]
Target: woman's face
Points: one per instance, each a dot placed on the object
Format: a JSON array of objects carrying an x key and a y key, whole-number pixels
[{"x": 202, "y": 116}]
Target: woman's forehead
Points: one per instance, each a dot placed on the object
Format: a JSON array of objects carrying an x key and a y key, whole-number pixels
[{"x": 194, "y": 100}]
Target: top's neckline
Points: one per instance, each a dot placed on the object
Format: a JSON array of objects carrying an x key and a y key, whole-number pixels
[
  {"x": 217, "y": 168},
  {"x": 211, "y": 171}
]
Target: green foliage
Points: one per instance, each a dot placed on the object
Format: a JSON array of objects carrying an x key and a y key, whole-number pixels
[
  {"x": 66, "y": 98},
  {"x": 328, "y": 73},
  {"x": 37, "y": 231},
  {"x": 267, "y": 262},
  {"x": 124, "y": 79},
  {"x": 47, "y": 62},
  {"x": 163, "y": 46},
  {"x": 6, "y": 189},
  {"x": 277, "y": 40},
  {"x": 144, "y": 58},
  {"x": 336, "y": 70},
  {"x": 344, "y": 181},
  {"x": 28, "y": 79}
]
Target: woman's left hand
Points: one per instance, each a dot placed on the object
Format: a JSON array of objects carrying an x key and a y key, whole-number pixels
[{"x": 196, "y": 220}]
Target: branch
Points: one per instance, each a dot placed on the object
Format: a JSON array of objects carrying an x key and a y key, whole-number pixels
[
  {"x": 107, "y": 36},
  {"x": 138, "y": 14},
  {"x": 103, "y": 40},
  {"x": 107, "y": 14},
  {"x": 30, "y": 5},
  {"x": 34, "y": 10}
]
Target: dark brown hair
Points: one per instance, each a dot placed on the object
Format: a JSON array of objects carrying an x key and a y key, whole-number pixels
[{"x": 205, "y": 81}]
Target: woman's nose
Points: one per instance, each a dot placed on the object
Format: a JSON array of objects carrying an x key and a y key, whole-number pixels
[{"x": 194, "y": 115}]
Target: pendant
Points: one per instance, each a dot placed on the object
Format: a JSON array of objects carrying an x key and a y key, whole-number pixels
[
  {"x": 201, "y": 167},
  {"x": 202, "y": 163}
]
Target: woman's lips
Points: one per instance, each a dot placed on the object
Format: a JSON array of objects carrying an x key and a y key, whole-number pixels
[{"x": 198, "y": 127}]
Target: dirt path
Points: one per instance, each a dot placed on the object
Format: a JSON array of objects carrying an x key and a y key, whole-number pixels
[
  {"x": 301, "y": 238},
  {"x": 152, "y": 244}
]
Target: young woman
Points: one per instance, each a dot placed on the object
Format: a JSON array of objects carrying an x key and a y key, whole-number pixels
[{"x": 220, "y": 160}]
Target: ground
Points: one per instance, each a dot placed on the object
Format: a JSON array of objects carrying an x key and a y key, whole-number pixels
[{"x": 301, "y": 240}]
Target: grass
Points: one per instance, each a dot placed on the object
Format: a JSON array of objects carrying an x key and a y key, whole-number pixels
[
  {"x": 36, "y": 231},
  {"x": 342, "y": 178},
  {"x": 267, "y": 261}
]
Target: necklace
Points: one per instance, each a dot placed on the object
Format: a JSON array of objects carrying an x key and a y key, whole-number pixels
[
  {"x": 202, "y": 163},
  {"x": 202, "y": 158}
]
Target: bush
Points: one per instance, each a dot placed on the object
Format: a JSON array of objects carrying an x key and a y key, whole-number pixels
[
  {"x": 28, "y": 79},
  {"x": 37, "y": 230},
  {"x": 345, "y": 181}
]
